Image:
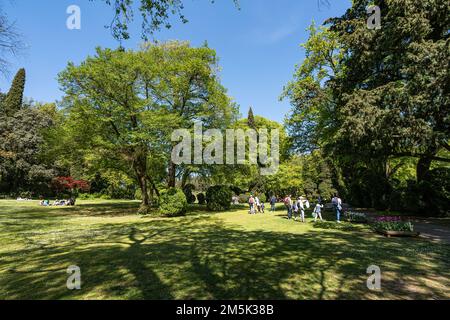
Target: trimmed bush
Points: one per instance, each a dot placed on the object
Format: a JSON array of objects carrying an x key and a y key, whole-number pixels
[
  {"x": 201, "y": 198},
  {"x": 218, "y": 198},
  {"x": 172, "y": 203},
  {"x": 187, "y": 190}
]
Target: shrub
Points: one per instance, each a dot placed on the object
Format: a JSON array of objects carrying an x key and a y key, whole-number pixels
[
  {"x": 172, "y": 203},
  {"x": 187, "y": 190},
  {"x": 218, "y": 198},
  {"x": 201, "y": 198},
  {"x": 26, "y": 194},
  {"x": 392, "y": 224},
  {"x": 357, "y": 217}
]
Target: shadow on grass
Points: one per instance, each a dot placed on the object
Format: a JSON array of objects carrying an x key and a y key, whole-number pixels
[{"x": 201, "y": 258}]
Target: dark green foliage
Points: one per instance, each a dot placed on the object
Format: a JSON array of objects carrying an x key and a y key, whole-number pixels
[
  {"x": 22, "y": 158},
  {"x": 236, "y": 190},
  {"x": 218, "y": 198},
  {"x": 436, "y": 191},
  {"x": 172, "y": 203},
  {"x": 371, "y": 97},
  {"x": 201, "y": 198},
  {"x": 251, "y": 119},
  {"x": 14, "y": 99},
  {"x": 187, "y": 190}
]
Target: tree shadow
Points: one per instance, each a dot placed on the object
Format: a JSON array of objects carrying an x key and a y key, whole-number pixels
[{"x": 202, "y": 258}]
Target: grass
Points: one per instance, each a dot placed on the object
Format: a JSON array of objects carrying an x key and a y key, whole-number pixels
[{"x": 229, "y": 255}]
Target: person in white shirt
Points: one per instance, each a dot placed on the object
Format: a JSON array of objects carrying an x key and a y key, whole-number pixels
[
  {"x": 318, "y": 212},
  {"x": 258, "y": 204},
  {"x": 337, "y": 205},
  {"x": 301, "y": 206}
]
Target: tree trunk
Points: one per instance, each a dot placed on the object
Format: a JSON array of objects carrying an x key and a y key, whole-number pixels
[
  {"x": 140, "y": 168},
  {"x": 423, "y": 167},
  {"x": 424, "y": 163},
  {"x": 171, "y": 181},
  {"x": 185, "y": 177},
  {"x": 144, "y": 190}
]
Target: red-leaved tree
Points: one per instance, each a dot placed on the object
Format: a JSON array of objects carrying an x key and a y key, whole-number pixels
[{"x": 69, "y": 185}]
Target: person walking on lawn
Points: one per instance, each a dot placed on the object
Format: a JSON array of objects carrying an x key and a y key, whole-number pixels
[
  {"x": 288, "y": 204},
  {"x": 273, "y": 203},
  {"x": 337, "y": 205}
]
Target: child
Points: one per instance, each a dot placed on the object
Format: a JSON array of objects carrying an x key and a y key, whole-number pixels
[
  {"x": 318, "y": 212},
  {"x": 295, "y": 210},
  {"x": 263, "y": 206}
]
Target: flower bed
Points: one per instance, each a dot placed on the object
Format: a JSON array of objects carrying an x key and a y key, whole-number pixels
[
  {"x": 394, "y": 226},
  {"x": 355, "y": 217}
]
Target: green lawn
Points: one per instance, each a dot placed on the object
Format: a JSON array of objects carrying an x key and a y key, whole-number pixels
[{"x": 205, "y": 256}]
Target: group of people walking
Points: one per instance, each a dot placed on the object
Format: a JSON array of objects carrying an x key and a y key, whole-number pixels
[{"x": 296, "y": 207}]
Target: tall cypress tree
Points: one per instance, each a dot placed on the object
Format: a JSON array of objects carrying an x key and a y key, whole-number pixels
[
  {"x": 251, "y": 119},
  {"x": 14, "y": 98}
]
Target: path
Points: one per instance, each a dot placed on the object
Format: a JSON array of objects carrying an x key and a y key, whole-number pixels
[{"x": 432, "y": 231}]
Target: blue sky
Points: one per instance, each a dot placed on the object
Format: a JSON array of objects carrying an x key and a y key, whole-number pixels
[{"x": 258, "y": 45}]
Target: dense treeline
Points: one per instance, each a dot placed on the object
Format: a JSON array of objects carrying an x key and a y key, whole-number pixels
[
  {"x": 369, "y": 119},
  {"x": 377, "y": 103}
]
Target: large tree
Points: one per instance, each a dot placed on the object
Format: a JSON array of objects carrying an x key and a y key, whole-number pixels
[
  {"x": 369, "y": 98},
  {"x": 22, "y": 167},
  {"x": 155, "y": 14},
  {"x": 14, "y": 99},
  {"x": 126, "y": 104},
  {"x": 394, "y": 94}
]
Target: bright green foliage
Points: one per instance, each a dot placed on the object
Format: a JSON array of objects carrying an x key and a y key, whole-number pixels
[
  {"x": 308, "y": 175},
  {"x": 218, "y": 198},
  {"x": 172, "y": 203},
  {"x": 120, "y": 102}
]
